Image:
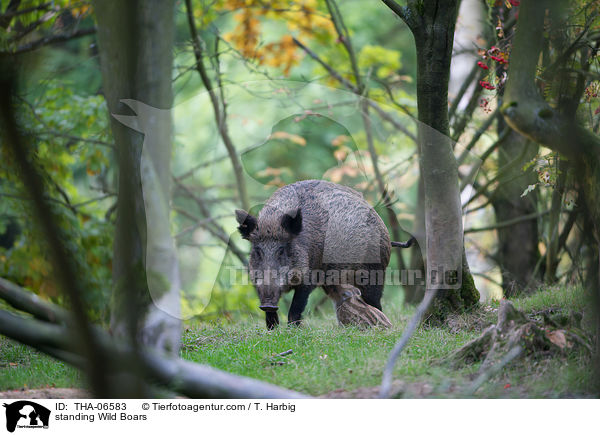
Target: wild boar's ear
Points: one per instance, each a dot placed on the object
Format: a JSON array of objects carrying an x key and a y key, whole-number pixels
[
  {"x": 247, "y": 223},
  {"x": 292, "y": 222}
]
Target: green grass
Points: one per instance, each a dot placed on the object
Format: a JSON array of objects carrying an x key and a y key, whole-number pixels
[
  {"x": 24, "y": 367},
  {"x": 568, "y": 298},
  {"x": 326, "y": 357}
]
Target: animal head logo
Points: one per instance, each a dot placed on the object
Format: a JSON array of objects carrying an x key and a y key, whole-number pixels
[{"x": 26, "y": 414}]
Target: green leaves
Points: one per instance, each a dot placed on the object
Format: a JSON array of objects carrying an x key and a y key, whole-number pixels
[
  {"x": 63, "y": 129},
  {"x": 384, "y": 61}
]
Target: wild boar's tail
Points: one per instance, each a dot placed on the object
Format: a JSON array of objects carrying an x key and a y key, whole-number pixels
[{"x": 406, "y": 244}]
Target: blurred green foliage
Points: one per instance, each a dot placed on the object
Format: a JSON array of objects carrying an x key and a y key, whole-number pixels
[
  {"x": 69, "y": 143},
  {"x": 63, "y": 113}
]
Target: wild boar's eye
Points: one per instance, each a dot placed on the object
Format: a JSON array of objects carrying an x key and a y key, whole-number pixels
[
  {"x": 257, "y": 253},
  {"x": 281, "y": 252}
]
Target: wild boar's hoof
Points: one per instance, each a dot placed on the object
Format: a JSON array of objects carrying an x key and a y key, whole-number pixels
[
  {"x": 272, "y": 319},
  {"x": 295, "y": 323}
]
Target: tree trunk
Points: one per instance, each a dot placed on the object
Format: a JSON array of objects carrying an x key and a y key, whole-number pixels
[
  {"x": 528, "y": 113},
  {"x": 135, "y": 41},
  {"x": 413, "y": 292},
  {"x": 432, "y": 24},
  {"x": 518, "y": 252},
  {"x": 517, "y": 244}
]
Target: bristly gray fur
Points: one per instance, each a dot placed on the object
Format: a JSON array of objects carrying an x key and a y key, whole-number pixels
[{"x": 315, "y": 225}]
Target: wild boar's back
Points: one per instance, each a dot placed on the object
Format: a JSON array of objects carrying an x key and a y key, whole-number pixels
[{"x": 338, "y": 225}]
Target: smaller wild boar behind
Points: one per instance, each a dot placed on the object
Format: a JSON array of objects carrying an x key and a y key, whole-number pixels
[{"x": 315, "y": 234}]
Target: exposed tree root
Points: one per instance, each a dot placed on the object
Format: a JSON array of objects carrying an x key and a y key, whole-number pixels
[{"x": 515, "y": 331}]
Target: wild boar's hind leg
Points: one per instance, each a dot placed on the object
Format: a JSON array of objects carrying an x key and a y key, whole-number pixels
[
  {"x": 371, "y": 294},
  {"x": 351, "y": 309}
]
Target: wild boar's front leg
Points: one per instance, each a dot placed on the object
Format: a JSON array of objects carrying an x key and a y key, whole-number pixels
[{"x": 298, "y": 305}]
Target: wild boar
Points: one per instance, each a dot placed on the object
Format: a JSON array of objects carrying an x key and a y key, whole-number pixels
[{"x": 312, "y": 234}]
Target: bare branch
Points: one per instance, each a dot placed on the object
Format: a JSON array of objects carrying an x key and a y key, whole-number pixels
[
  {"x": 460, "y": 122},
  {"x": 488, "y": 122},
  {"x": 191, "y": 171},
  {"x": 332, "y": 72},
  {"x": 33, "y": 332},
  {"x": 483, "y": 377},
  {"x": 404, "y": 13},
  {"x": 15, "y": 12},
  {"x": 383, "y": 191},
  {"x": 344, "y": 37},
  {"x": 49, "y": 40},
  {"x": 210, "y": 225},
  {"x": 483, "y": 189},
  {"x": 463, "y": 89},
  {"x": 382, "y": 113},
  {"x": 509, "y": 222},
  {"x": 219, "y": 112},
  {"x": 486, "y": 154},
  {"x": 11, "y": 10}
]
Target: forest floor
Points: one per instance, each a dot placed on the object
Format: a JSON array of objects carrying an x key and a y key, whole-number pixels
[{"x": 346, "y": 362}]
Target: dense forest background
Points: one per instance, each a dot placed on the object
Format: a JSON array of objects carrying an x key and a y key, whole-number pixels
[{"x": 263, "y": 94}]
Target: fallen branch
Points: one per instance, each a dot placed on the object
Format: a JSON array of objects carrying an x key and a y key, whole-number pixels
[
  {"x": 184, "y": 377},
  {"x": 31, "y": 303},
  {"x": 413, "y": 324},
  {"x": 284, "y": 353},
  {"x": 493, "y": 370}
]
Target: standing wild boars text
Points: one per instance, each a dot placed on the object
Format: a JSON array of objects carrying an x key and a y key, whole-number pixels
[{"x": 315, "y": 234}]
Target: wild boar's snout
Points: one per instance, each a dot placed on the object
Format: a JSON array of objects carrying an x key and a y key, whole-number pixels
[
  {"x": 269, "y": 299},
  {"x": 270, "y": 308}
]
